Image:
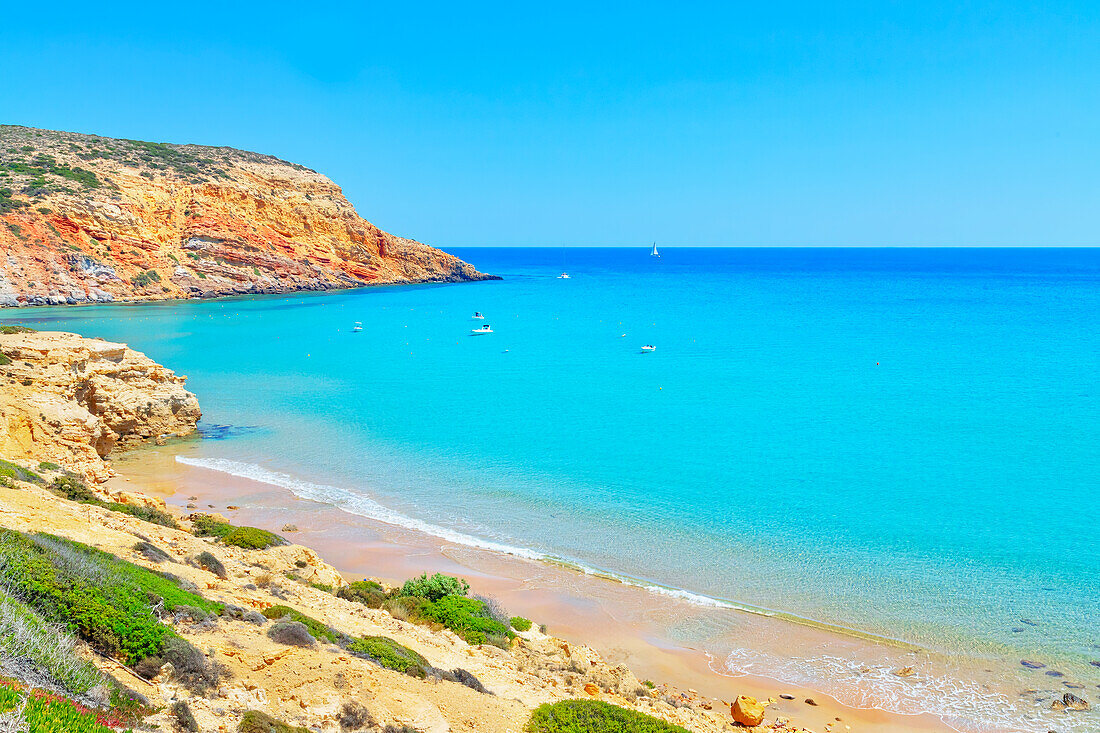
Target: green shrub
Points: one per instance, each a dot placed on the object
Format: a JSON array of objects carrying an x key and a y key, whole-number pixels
[
  {"x": 204, "y": 525},
  {"x": 17, "y": 472},
  {"x": 185, "y": 719},
  {"x": 291, "y": 633},
  {"x": 251, "y": 538},
  {"x": 317, "y": 629},
  {"x": 144, "y": 513},
  {"x": 5, "y": 360},
  {"x": 15, "y": 329},
  {"x": 406, "y": 608},
  {"x": 367, "y": 592},
  {"x": 48, "y": 466},
  {"x": 519, "y": 623},
  {"x": 145, "y": 278},
  {"x": 151, "y": 552},
  {"x": 390, "y": 655},
  {"x": 106, "y": 601},
  {"x": 594, "y": 716},
  {"x": 256, "y": 722},
  {"x": 434, "y": 588},
  {"x": 208, "y": 562},
  {"x": 467, "y": 617},
  {"x": 73, "y": 488}
]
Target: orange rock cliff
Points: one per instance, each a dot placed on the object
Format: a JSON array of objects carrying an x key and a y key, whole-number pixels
[{"x": 87, "y": 219}]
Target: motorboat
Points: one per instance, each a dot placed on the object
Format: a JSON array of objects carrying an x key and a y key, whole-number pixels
[
  {"x": 357, "y": 327},
  {"x": 477, "y": 316},
  {"x": 649, "y": 347},
  {"x": 481, "y": 329},
  {"x": 563, "y": 276}
]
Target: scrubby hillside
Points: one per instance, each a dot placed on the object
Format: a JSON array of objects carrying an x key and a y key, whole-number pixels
[{"x": 85, "y": 218}]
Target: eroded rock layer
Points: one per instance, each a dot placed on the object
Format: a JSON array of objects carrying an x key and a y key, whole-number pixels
[
  {"x": 85, "y": 218},
  {"x": 71, "y": 400}
]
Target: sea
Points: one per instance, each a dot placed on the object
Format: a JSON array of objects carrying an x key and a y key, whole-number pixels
[{"x": 899, "y": 444}]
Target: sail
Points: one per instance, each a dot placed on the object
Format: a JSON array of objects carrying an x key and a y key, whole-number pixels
[{"x": 654, "y": 252}]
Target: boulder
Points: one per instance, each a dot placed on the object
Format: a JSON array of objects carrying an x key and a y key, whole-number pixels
[
  {"x": 1072, "y": 702},
  {"x": 747, "y": 711}
]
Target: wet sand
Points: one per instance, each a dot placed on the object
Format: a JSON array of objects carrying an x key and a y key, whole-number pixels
[{"x": 626, "y": 624}]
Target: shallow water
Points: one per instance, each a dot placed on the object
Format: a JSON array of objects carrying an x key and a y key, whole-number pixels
[{"x": 905, "y": 443}]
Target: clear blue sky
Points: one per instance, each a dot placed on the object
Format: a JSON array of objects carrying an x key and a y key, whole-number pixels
[{"x": 763, "y": 123}]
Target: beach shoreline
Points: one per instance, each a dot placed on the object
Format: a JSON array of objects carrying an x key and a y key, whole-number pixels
[{"x": 610, "y": 617}]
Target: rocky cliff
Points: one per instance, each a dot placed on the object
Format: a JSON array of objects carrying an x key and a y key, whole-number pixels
[
  {"x": 85, "y": 218},
  {"x": 71, "y": 400}
]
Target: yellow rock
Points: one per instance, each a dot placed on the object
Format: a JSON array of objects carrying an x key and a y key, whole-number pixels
[{"x": 747, "y": 711}]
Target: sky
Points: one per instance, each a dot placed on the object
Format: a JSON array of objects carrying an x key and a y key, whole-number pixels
[{"x": 888, "y": 123}]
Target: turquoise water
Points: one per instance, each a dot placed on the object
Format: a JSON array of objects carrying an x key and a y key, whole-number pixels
[{"x": 902, "y": 442}]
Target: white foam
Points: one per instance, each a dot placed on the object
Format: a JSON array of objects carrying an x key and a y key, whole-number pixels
[
  {"x": 964, "y": 705},
  {"x": 364, "y": 506}
]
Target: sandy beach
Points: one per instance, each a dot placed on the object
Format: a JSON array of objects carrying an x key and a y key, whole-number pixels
[{"x": 616, "y": 619}]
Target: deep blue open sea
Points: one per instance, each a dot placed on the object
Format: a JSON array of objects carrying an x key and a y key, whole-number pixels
[{"x": 904, "y": 442}]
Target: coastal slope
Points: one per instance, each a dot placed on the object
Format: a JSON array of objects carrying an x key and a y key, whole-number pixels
[{"x": 87, "y": 219}]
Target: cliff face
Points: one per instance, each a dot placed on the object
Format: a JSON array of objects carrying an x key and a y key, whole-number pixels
[
  {"x": 92, "y": 219},
  {"x": 71, "y": 400}
]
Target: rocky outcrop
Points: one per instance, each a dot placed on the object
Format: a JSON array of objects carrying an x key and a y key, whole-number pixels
[
  {"x": 746, "y": 711},
  {"x": 85, "y": 219},
  {"x": 71, "y": 400}
]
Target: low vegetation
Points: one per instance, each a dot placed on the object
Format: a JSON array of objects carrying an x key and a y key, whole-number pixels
[
  {"x": 37, "y": 711},
  {"x": 316, "y": 629},
  {"x": 434, "y": 588},
  {"x": 519, "y": 623},
  {"x": 208, "y": 562},
  {"x": 26, "y": 635},
  {"x": 291, "y": 633},
  {"x": 367, "y": 592},
  {"x": 249, "y": 538},
  {"x": 72, "y": 487},
  {"x": 18, "y": 473},
  {"x": 111, "y": 604},
  {"x": 390, "y": 655},
  {"x": 469, "y": 618},
  {"x": 256, "y": 722},
  {"x": 439, "y": 600},
  {"x": 9, "y": 329},
  {"x": 594, "y": 716}
]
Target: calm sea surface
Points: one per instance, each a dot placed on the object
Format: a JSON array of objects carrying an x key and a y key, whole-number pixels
[{"x": 901, "y": 442}]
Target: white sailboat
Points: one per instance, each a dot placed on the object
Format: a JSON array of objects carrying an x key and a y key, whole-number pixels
[{"x": 654, "y": 253}]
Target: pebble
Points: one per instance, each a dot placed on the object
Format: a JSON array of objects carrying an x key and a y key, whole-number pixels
[
  {"x": 1017, "y": 629},
  {"x": 810, "y": 701},
  {"x": 1032, "y": 665},
  {"x": 785, "y": 696},
  {"x": 1095, "y": 663},
  {"x": 1054, "y": 673},
  {"x": 1028, "y": 621}
]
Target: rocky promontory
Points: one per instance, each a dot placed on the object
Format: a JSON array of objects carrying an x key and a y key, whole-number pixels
[
  {"x": 87, "y": 219},
  {"x": 71, "y": 400}
]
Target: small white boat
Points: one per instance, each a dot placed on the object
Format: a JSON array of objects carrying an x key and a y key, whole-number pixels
[
  {"x": 654, "y": 253},
  {"x": 481, "y": 329},
  {"x": 649, "y": 347},
  {"x": 563, "y": 276},
  {"x": 477, "y": 316},
  {"x": 357, "y": 327}
]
